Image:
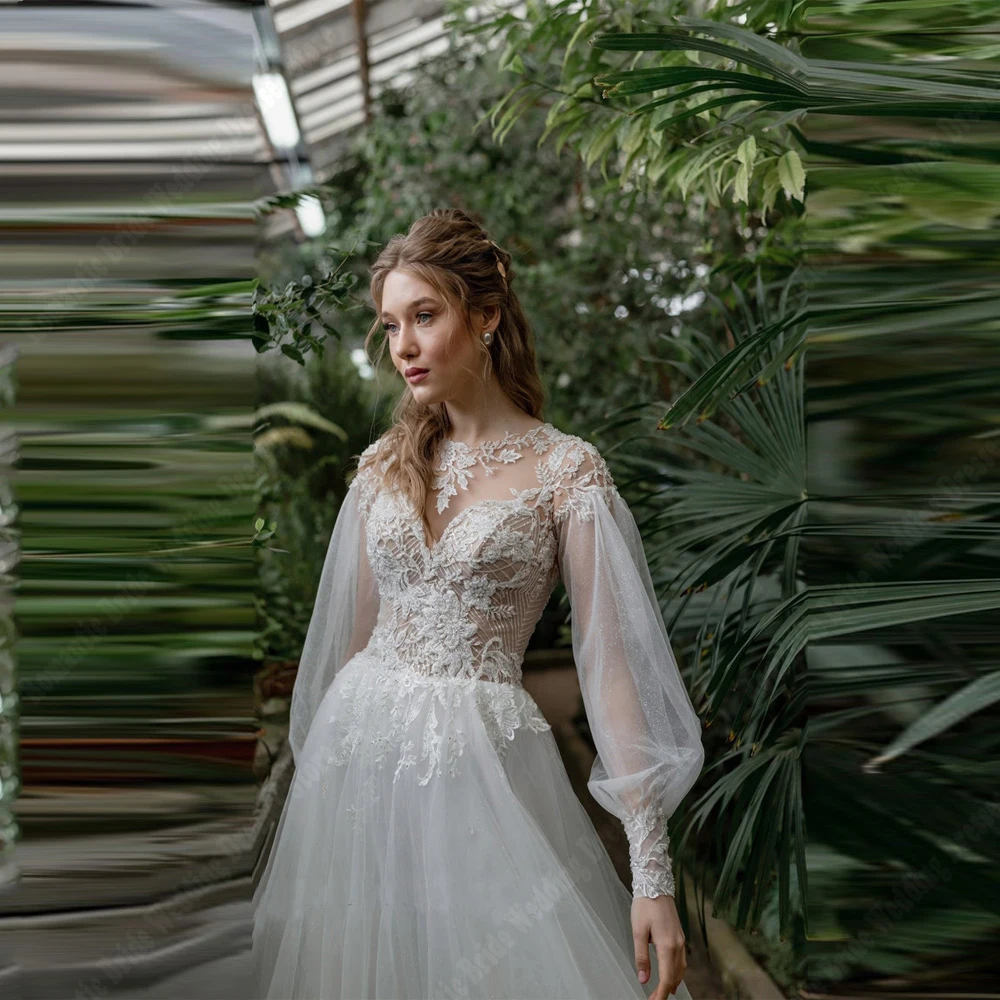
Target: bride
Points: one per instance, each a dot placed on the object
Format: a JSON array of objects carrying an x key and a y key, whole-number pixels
[{"x": 431, "y": 845}]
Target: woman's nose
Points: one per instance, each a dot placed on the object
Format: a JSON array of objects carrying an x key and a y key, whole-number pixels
[{"x": 405, "y": 341}]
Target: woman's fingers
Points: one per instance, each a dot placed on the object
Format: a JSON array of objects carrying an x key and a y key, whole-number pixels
[
  {"x": 671, "y": 956},
  {"x": 673, "y": 963},
  {"x": 655, "y": 921},
  {"x": 640, "y": 941},
  {"x": 666, "y": 985}
]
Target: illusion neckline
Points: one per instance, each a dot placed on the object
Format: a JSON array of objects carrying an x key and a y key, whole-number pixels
[{"x": 511, "y": 437}]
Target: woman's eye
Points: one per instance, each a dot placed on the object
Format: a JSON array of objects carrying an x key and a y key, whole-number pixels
[{"x": 391, "y": 327}]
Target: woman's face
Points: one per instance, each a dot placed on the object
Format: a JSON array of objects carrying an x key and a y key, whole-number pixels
[{"x": 423, "y": 336}]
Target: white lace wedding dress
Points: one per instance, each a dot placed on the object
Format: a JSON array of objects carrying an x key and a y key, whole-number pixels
[{"x": 431, "y": 845}]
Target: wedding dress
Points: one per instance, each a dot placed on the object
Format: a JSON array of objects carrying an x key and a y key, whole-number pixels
[{"x": 431, "y": 845}]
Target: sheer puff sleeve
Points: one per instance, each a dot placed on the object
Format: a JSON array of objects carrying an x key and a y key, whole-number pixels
[
  {"x": 645, "y": 729},
  {"x": 346, "y": 607}
]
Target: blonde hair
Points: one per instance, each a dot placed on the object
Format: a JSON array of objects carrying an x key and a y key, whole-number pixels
[{"x": 452, "y": 253}]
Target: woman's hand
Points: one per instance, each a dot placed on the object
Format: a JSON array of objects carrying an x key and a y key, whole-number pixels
[{"x": 657, "y": 919}]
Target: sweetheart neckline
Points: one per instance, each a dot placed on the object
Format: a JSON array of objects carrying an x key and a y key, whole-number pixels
[
  {"x": 431, "y": 550},
  {"x": 544, "y": 428}
]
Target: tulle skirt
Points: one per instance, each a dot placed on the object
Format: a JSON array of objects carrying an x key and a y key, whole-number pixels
[{"x": 431, "y": 846}]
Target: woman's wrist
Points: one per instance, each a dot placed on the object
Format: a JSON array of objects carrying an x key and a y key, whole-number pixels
[
  {"x": 649, "y": 856},
  {"x": 651, "y": 884}
]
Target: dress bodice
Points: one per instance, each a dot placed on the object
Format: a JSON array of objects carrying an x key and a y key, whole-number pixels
[
  {"x": 416, "y": 645},
  {"x": 467, "y": 604}
]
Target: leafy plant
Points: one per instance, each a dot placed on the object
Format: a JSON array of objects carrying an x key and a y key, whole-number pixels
[{"x": 832, "y": 599}]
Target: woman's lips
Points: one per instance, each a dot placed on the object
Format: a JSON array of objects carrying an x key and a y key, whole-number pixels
[{"x": 417, "y": 376}]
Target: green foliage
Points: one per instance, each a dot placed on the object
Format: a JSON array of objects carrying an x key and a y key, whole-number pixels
[
  {"x": 603, "y": 297},
  {"x": 862, "y": 327},
  {"x": 303, "y": 452},
  {"x": 768, "y": 293},
  {"x": 299, "y": 317},
  {"x": 716, "y": 153}
]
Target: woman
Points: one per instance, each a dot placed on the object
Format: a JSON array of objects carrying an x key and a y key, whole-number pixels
[{"x": 431, "y": 844}]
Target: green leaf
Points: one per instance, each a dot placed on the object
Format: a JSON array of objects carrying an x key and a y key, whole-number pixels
[
  {"x": 300, "y": 413},
  {"x": 742, "y": 184},
  {"x": 601, "y": 142},
  {"x": 772, "y": 185},
  {"x": 980, "y": 694},
  {"x": 792, "y": 175}
]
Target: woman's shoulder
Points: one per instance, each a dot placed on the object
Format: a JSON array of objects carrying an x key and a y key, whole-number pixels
[
  {"x": 577, "y": 475},
  {"x": 369, "y": 456},
  {"x": 575, "y": 461},
  {"x": 367, "y": 470}
]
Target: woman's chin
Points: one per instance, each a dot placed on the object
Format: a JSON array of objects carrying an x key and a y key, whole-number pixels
[{"x": 425, "y": 394}]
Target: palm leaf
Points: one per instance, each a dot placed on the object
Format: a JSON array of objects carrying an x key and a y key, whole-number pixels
[{"x": 981, "y": 693}]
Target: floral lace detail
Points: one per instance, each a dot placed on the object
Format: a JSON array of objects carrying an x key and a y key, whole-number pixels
[
  {"x": 581, "y": 471},
  {"x": 365, "y": 480},
  {"x": 456, "y": 457},
  {"x": 649, "y": 858},
  {"x": 425, "y": 717},
  {"x": 455, "y": 618},
  {"x": 572, "y": 469}
]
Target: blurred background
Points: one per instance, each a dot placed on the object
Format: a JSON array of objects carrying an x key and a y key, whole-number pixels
[
  {"x": 131, "y": 158},
  {"x": 758, "y": 245}
]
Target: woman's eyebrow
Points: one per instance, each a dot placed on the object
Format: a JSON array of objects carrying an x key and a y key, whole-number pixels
[{"x": 413, "y": 305}]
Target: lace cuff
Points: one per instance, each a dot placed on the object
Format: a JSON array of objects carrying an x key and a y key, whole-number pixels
[{"x": 649, "y": 858}]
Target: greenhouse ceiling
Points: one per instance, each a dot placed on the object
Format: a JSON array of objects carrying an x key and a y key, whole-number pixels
[{"x": 327, "y": 71}]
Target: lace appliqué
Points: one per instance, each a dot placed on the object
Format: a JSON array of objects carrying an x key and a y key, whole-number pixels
[
  {"x": 443, "y": 665},
  {"x": 649, "y": 858},
  {"x": 364, "y": 482},
  {"x": 456, "y": 458},
  {"x": 457, "y": 616},
  {"x": 579, "y": 472},
  {"x": 390, "y": 714}
]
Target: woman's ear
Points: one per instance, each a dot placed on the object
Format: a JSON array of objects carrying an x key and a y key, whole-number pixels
[{"x": 491, "y": 317}]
